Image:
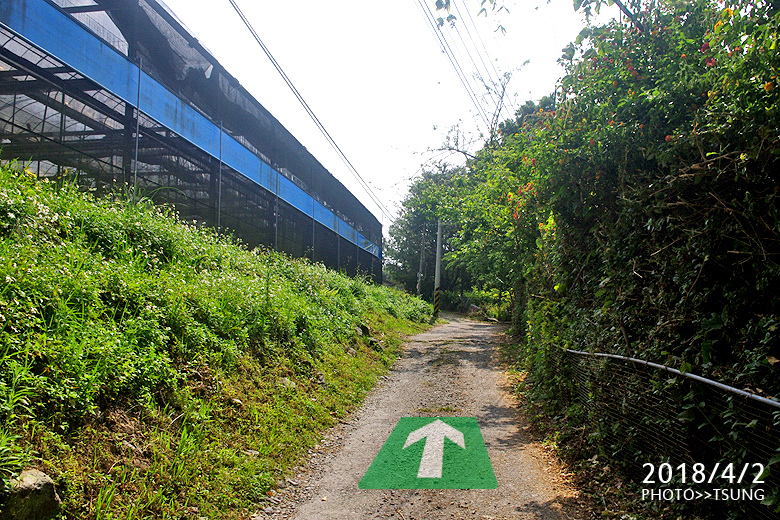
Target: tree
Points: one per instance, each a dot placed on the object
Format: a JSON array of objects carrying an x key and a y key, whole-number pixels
[
  {"x": 412, "y": 245},
  {"x": 654, "y": 222},
  {"x": 636, "y": 212},
  {"x": 637, "y": 207}
]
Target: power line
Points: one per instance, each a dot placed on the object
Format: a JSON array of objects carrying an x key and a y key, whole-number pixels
[
  {"x": 482, "y": 43},
  {"x": 453, "y": 60},
  {"x": 457, "y": 9},
  {"x": 477, "y": 52},
  {"x": 471, "y": 58},
  {"x": 447, "y": 50},
  {"x": 495, "y": 85},
  {"x": 457, "y": 63},
  {"x": 313, "y": 117}
]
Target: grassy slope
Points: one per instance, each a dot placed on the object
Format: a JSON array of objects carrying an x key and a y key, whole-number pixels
[{"x": 155, "y": 370}]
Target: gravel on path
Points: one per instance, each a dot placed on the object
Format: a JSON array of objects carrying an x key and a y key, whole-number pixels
[{"x": 451, "y": 370}]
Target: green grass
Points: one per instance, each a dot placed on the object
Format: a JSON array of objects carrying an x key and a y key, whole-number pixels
[{"x": 156, "y": 370}]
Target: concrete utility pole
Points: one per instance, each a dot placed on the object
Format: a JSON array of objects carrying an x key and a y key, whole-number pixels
[
  {"x": 419, "y": 271},
  {"x": 437, "y": 279}
]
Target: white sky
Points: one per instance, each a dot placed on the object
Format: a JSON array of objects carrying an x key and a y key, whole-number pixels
[{"x": 375, "y": 75}]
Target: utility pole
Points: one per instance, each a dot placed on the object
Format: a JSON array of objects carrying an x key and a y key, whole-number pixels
[
  {"x": 419, "y": 271},
  {"x": 437, "y": 279}
]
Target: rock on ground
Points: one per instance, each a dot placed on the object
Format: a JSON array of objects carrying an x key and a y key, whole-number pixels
[{"x": 32, "y": 497}]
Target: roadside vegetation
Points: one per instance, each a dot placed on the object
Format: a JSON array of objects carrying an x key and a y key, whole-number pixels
[
  {"x": 157, "y": 370},
  {"x": 632, "y": 212}
]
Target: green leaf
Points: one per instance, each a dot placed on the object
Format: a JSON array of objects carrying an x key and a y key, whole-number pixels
[
  {"x": 584, "y": 34},
  {"x": 715, "y": 322},
  {"x": 764, "y": 474},
  {"x": 770, "y": 500},
  {"x": 706, "y": 351},
  {"x": 687, "y": 415}
]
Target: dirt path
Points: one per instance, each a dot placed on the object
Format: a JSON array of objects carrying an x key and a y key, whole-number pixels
[{"x": 451, "y": 370}]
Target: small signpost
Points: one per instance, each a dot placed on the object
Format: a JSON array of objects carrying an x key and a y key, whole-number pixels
[{"x": 432, "y": 453}]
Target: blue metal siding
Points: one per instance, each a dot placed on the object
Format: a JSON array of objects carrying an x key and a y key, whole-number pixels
[
  {"x": 268, "y": 178},
  {"x": 295, "y": 196},
  {"x": 324, "y": 216},
  {"x": 59, "y": 35}
]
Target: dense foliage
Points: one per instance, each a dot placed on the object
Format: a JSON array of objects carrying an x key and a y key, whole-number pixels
[
  {"x": 148, "y": 365},
  {"x": 658, "y": 172},
  {"x": 637, "y": 213},
  {"x": 638, "y": 210}
]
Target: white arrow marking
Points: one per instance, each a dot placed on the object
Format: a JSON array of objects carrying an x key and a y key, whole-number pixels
[{"x": 433, "y": 452}]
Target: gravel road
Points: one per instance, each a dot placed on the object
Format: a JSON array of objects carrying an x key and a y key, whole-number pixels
[{"x": 451, "y": 370}]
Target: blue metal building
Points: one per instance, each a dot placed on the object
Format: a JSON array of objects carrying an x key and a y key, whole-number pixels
[{"x": 121, "y": 92}]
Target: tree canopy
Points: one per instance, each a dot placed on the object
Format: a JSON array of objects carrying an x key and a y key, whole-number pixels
[{"x": 635, "y": 211}]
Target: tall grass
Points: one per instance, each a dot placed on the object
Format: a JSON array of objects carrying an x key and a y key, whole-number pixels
[{"x": 132, "y": 343}]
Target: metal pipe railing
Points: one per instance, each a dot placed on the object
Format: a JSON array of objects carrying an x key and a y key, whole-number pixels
[{"x": 728, "y": 388}]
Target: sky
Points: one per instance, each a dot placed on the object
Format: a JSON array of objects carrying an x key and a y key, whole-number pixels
[{"x": 375, "y": 75}]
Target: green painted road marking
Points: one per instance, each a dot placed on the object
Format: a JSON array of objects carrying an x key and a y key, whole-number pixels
[{"x": 432, "y": 453}]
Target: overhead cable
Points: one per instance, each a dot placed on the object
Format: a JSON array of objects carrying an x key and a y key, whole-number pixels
[
  {"x": 474, "y": 63},
  {"x": 467, "y": 79},
  {"x": 314, "y": 118},
  {"x": 453, "y": 60},
  {"x": 482, "y": 44}
]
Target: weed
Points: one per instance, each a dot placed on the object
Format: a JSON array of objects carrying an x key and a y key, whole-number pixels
[
  {"x": 10, "y": 460},
  {"x": 155, "y": 366}
]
